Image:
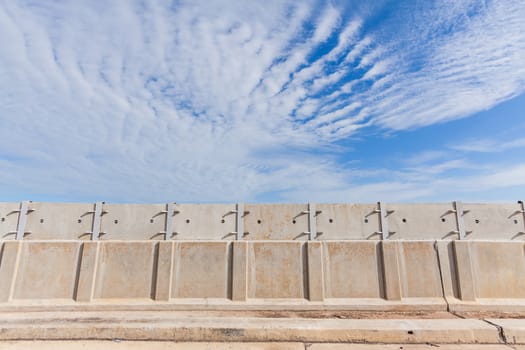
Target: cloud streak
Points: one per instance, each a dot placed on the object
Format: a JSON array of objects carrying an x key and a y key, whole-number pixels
[
  {"x": 490, "y": 145},
  {"x": 223, "y": 101}
]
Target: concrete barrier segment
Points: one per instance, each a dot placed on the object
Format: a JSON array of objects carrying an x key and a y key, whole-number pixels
[
  {"x": 47, "y": 270},
  {"x": 374, "y": 275},
  {"x": 291, "y": 275},
  {"x": 435, "y": 221},
  {"x": 164, "y": 273},
  {"x": 9, "y": 261},
  {"x": 8, "y": 220},
  {"x": 202, "y": 270},
  {"x": 87, "y": 271},
  {"x": 483, "y": 275}
]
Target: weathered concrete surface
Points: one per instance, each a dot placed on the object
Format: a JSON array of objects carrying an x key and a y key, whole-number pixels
[
  {"x": 483, "y": 275},
  {"x": 59, "y": 221},
  {"x": 290, "y": 274},
  {"x": 407, "y": 347},
  {"x": 204, "y": 221},
  {"x": 37, "y": 280},
  {"x": 352, "y": 269},
  {"x": 276, "y": 222},
  {"x": 348, "y": 221},
  {"x": 202, "y": 270},
  {"x": 409, "y": 221},
  {"x": 287, "y": 275},
  {"x": 513, "y": 330},
  {"x": 435, "y": 221},
  {"x": 276, "y": 270},
  {"x": 149, "y": 345},
  {"x": 181, "y": 327},
  {"x": 154, "y": 345},
  {"x": 125, "y": 270},
  {"x": 8, "y": 220},
  {"x": 493, "y": 221},
  {"x": 133, "y": 222},
  {"x": 392, "y": 275}
]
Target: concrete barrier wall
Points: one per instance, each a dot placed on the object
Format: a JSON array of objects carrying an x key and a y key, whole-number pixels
[
  {"x": 486, "y": 275},
  {"x": 46, "y": 221},
  {"x": 277, "y": 274},
  {"x": 254, "y": 272},
  {"x": 288, "y": 256}
]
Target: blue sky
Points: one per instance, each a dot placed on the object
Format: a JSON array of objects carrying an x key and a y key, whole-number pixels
[{"x": 262, "y": 101}]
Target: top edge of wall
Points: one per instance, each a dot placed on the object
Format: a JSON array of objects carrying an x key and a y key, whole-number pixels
[{"x": 266, "y": 203}]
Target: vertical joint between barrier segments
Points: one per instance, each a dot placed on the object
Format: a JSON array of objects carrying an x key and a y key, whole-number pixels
[
  {"x": 312, "y": 220},
  {"x": 22, "y": 219},
  {"x": 522, "y": 210},
  {"x": 312, "y": 228},
  {"x": 97, "y": 214},
  {"x": 239, "y": 222},
  {"x": 383, "y": 219},
  {"x": 458, "y": 210},
  {"x": 170, "y": 209}
]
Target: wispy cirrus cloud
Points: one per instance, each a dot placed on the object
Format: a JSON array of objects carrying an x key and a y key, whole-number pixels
[
  {"x": 216, "y": 100},
  {"x": 489, "y": 145}
]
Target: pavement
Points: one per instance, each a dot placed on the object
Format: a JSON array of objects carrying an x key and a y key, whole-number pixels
[
  {"x": 154, "y": 330},
  {"x": 154, "y": 345}
]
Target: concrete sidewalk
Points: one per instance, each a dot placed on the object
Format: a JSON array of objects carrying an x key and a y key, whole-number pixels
[
  {"x": 199, "y": 327},
  {"x": 154, "y": 345}
]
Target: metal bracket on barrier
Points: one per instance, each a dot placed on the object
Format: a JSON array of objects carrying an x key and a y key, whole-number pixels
[
  {"x": 311, "y": 221},
  {"x": 97, "y": 215},
  {"x": 522, "y": 210},
  {"x": 170, "y": 211},
  {"x": 168, "y": 223},
  {"x": 22, "y": 219},
  {"x": 312, "y": 228},
  {"x": 239, "y": 220},
  {"x": 458, "y": 209},
  {"x": 383, "y": 219}
]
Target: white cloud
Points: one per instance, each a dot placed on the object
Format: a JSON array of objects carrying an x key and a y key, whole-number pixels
[
  {"x": 474, "y": 183},
  {"x": 220, "y": 100},
  {"x": 489, "y": 145},
  {"x": 326, "y": 24},
  {"x": 426, "y": 157},
  {"x": 474, "y": 68}
]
